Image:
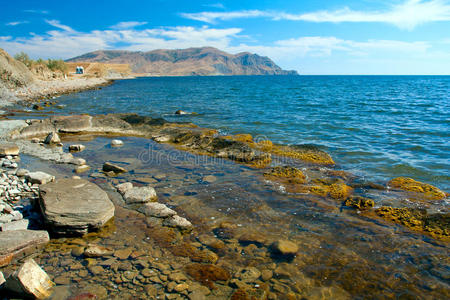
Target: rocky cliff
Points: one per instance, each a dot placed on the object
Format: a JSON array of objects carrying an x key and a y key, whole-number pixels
[{"x": 187, "y": 62}]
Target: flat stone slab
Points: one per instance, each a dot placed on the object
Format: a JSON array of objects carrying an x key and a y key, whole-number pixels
[
  {"x": 39, "y": 177},
  {"x": 9, "y": 149},
  {"x": 74, "y": 206},
  {"x": 15, "y": 225},
  {"x": 142, "y": 194},
  {"x": 16, "y": 242},
  {"x": 158, "y": 210}
]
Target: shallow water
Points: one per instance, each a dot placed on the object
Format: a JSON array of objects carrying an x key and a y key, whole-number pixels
[
  {"x": 342, "y": 255},
  {"x": 375, "y": 126}
]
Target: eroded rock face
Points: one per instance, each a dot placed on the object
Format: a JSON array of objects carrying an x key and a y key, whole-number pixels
[
  {"x": 30, "y": 281},
  {"x": 74, "y": 206}
]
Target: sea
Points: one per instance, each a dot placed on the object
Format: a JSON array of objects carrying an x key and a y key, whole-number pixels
[{"x": 377, "y": 127}]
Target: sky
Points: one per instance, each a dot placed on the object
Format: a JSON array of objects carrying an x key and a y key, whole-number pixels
[{"x": 314, "y": 37}]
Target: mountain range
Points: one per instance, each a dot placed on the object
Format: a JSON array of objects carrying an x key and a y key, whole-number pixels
[{"x": 205, "y": 61}]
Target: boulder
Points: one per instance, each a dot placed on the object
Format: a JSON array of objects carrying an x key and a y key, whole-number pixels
[
  {"x": 82, "y": 169},
  {"x": 116, "y": 143},
  {"x": 77, "y": 148},
  {"x": 74, "y": 206},
  {"x": 39, "y": 177},
  {"x": 141, "y": 194},
  {"x": 179, "y": 222},
  {"x": 158, "y": 210},
  {"x": 15, "y": 225},
  {"x": 109, "y": 167},
  {"x": 9, "y": 149},
  {"x": 124, "y": 187},
  {"x": 30, "y": 280},
  {"x": 13, "y": 243},
  {"x": 52, "y": 138}
]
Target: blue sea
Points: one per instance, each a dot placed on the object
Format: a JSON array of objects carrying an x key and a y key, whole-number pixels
[{"x": 377, "y": 127}]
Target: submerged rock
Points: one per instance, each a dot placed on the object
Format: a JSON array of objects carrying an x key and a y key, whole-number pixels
[
  {"x": 411, "y": 185},
  {"x": 179, "y": 222},
  {"x": 207, "y": 274},
  {"x": 142, "y": 194},
  {"x": 74, "y": 206},
  {"x": 97, "y": 251},
  {"x": 292, "y": 174},
  {"x": 77, "y": 148},
  {"x": 30, "y": 281},
  {"x": 359, "y": 202},
  {"x": 285, "y": 247},
  {"x": 110, "y": 167}
]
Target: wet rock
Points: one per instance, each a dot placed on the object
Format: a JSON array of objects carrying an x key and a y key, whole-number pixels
[
  {"x": 266, "y": 274},
  {"x": 179, "y": 222},
  {"x": 162, "y": 138},
  {"x": 74, "y": 206},
  {"x": 124, "y": 187},
  {"x": 62, "y": 280},
  {"x": 181, "y": 287},
  {"x": 52, "y": 138},
  {"x": 82, "y": 169},
  {"x": 77, "y": 251},
  {"x": 15, "y": 225},
  {"x": 140, "y": 195},
  {"x": 253, "y": 238},
  {"x": 123, "y": 253},
  {"x": 8, "y": 149},
  {"x": 359, "y": 202},
  {"x": 96, "y": 270},
  {"x": 116, "y": 143},
  {"x": 30, "y": 280},
  {"x": 211, "y": 241},
  {"x": 307, "y": 153},
  {"x": 22, "y": 172},
  {"x": 110, "y": 167},
  {"x": 209, "y": 179},
  {"x": 292, "y": 174},
  {"x": 97, "y": 251},
  {"x": 39, "y": 177},
  {"x": 285, "y": 247},
  {"x": 38, "y": 107},
  {"x": 158, "y": 210},
  {"x": 411, "y": 185},
  {"x": 77, "y": 161},
  {"x": 13, "y": 243},
  {"x": 35, "y": 140},
  {"x": 207, "y": 274},
  {"x": 181, "y": 112},
  {"x": 77, "y": 148},
  {"x": 249, "y": 274}
]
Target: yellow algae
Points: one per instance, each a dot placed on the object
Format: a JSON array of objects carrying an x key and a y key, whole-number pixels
[
  {"x": 436, "y": 225},
  {"x": 336, "y": 189},
  {"x": 307, "y": 154},
  {"x": 265, "y": 145},
  {"x": 411, "y": 185},
  {"x": 359, "y": 202},
  {"x": 294, "y": 175}
]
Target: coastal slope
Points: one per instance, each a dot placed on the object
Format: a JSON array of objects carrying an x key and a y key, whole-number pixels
[{"x": 187, "y": 62}]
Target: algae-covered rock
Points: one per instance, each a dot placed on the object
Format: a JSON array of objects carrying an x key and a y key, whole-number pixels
[
  {"x": 411, "y": 185},
  {"x": 337, "y": 190},
  {"x": 207, "y": 274},
  {"x": 359, "y": 202},
  {"x": 435, "y": 225},
  {"x": 305, "y": 153},
  {"x": 294, "y": 175}
]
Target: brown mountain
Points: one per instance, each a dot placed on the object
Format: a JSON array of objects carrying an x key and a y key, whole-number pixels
[{"x": 185, "y": 62}]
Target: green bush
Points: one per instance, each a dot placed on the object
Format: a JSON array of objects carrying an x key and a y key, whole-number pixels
[
  {"x": 24, "y": 58},
  {"x": 57, "y": 64}
]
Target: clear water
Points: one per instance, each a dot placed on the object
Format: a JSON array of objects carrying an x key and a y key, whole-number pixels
[{"x": 378, "y": 127}]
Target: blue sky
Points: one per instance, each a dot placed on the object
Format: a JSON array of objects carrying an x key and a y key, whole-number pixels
[{"x": 312, "y": 37}]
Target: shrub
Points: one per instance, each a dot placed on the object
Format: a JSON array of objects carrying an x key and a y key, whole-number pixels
[
  {"x": 57, "y": 64},
  {"x": 24, "y": 58}
]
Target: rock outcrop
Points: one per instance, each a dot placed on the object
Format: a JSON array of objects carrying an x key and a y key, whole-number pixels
[{"x": 74, "y": 206}]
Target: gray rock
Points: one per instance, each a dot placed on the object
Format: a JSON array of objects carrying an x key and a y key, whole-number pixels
[
  {"x": 179, "y": 222},
  {"x": 52, "y": 138},
  {"x": 74, "y": 206},
  {"x": 140, "y": 195},
  {"x": 9, "y": 149},
  {"x": 109, "y": 167},
  {"x": 82, "y": 169},
  {"x": 77, "y": 148},
  {"x": 15, "y": 225},
  {"x": 13, "y": 243},
  {"x": 116, "y": 143},
  {"x": 30, "y": 280},
  {"x": 124, "y": 187},
  {"x": 11, "y": 127},
  {"x": 39, "y": 177},
  {"x": 22, "y": 172},
  {"x": 77, "y": 161},
  {"x": 158, "y": 210}
]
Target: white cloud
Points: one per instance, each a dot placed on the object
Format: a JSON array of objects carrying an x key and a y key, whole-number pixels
[
  {"x": 57, "y": 24},
  {"x": 67, "y": 42},
  {"x": 37, "y": 11},
  {"x": 127, "y": 25},
  {"x": 407, "y": 15},
  {"x": 16, "y": 23}
]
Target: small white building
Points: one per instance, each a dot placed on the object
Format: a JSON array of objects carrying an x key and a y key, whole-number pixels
[{"x": 79, "y": 70}]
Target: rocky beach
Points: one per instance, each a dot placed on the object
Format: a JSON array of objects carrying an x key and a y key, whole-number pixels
[{"x": 128, "y": 206}]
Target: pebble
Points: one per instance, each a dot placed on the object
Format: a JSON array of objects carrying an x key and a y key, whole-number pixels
[{"x": 116, "y": 143}]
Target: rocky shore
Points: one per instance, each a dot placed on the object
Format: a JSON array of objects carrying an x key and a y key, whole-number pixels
[{"x": 164, "y": 250}]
